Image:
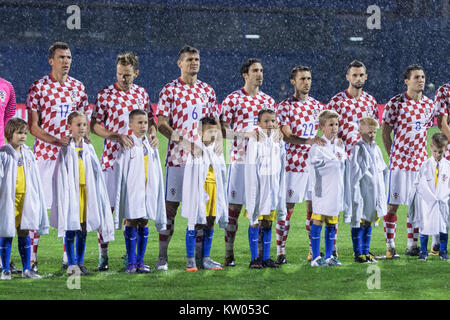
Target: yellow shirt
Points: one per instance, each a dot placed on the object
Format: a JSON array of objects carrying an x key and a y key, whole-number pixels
[
  {"x": 145, "y": 162},
  {"x": 81, "y": 171},
  {"x": 20, "y": 181}
]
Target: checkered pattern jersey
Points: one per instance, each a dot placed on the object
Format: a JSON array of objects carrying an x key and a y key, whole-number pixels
[
  {"x": 351, "y": 110},
  {"x": 112, "y": 109},
  {"x": 240, "y": 110},
  {"x": 184, "y": 105},
  {"x": 54, "y": 102},
  {"x": 302, "y": 116},
  {"x": 409, "y": 120},
  {"x": 442, "y": 103}
]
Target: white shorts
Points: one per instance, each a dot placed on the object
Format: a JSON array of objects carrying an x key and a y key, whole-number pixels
[
  {"x": 111, "y": 185},
  {"x": 297, "y": 187},
  {"x": 46, "y": 169},
  {"x": 174, "y": 183},
  {"x": 236, "y": 183},
  {"x": 400, "y": 184}
]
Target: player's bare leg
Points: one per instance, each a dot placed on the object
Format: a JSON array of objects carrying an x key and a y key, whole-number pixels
[
  {"x": 166, "y": 235},
  {"x": 230, "y": 233}
]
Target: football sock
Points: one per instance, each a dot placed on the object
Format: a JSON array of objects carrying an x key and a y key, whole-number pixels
[
  {"x": 25, "y": 251},
  {"x": 34, "y": 241},
  {"x": 443, "y": 241},
  {"x": 81, "y": 246},
  {"x": 330, "y": 233},
  {"x": 423, "y": 242},
  {"x": 190, "y": 243},
  {"x": 166, "y": 235},
  {"x": 412, "y": 233},
  {"x": 365, "y": 240},
  {"x": 230, "y": 231},
  {"x": 69, "y": 242},
  {"x": 266, "y": 240},
  {"x": 253, "y": 235},
  {"x": 130, "y": 244},
  {"x": 336, "y": 227},
  {"x": 199, "y": 242},
  {"x": 142, "y": 240},
  {"x": 390, "y": 226},
  {"x": 315, "y": 240},
  {"x": 279, "y": 231},
  {"x": 102, "y": 246},
  {"x": 5, "y": 252},
  {"x": 356, "y": 240},
  {"x": 207, "y": 241},
  {"x": 308, "y": 227}
]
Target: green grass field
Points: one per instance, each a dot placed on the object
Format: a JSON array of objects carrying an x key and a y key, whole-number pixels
[{"x": 405, "y": 278}]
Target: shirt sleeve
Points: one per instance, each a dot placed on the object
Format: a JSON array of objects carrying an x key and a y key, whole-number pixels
[
  {"x": 213, "y": 106},
  {"x": 228, "y": 110},
  {"x": 283, "y": 114},
  {"x": 442, "y": 101},
  {"x": 99, "y": 114},
  {"x": 165, "y": 102},
  {"x": 10, "y": 109},
  {"x": 33, "y": 97},
  {"x": 390, "y": 113}
]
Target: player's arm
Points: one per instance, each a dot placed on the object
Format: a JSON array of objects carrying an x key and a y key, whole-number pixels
[
  {"x": 154, "y": 142},
  {"x": 38, "y": 132},
  {"x": 443, "y": 125},
  {"x": 386, "y": 136},
  {"x": 124, "y": 140},
  {"x": 289, "y": 137}
]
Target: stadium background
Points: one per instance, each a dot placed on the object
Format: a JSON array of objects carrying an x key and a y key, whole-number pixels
[{"x": 325, "y": 35}]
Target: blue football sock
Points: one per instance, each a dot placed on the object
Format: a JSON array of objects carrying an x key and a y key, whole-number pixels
[
  {"x": 315, "y": 240},
  {"x": 266, "y": 239},
  {"x": 5, "y": 252},
  {"x": 130, "y": 243},
  {"x": 25, "y": 251},
  {"x": 443, "y": 240},
  {"x": 190, "y": 242},
  {"x": 330, "y": 232},
  {"x": 69, "y": 242},
  {"x": 142, "y": 240},
  {"x": 423, "y": 242},
  {"x": 81, "y": 246},
  {"x": 356, "y": 240},
  {"x": 207, "y": 241},
  {"x": 367, "y": 235},
  {"x": 253, "y": 236}
]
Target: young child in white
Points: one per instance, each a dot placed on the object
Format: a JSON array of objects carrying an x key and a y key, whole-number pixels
[
  {"x": 21, "y": 196},
  {"x": 430, "y": 198},
  {"x": 204, "y": 199},
  {"x": 140, "y": 192},
  {"x": 328, "y": 189},
  {"x": 80, "y": 201},
  {"x": 367, "y": 173},
  {"x": 265, "y": 190}
]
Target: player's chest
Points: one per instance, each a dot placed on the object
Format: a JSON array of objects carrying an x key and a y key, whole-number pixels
[
  {"x": 304, "y": 120},
  {"x": 121, "y": 105},
  {"x": 352, "y": 111},
  {"x": 415, "y": 111},
  {"x": 60, "y": 101}
]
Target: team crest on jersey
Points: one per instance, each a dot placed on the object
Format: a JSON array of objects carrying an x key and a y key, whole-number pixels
[
  {"x": 339, "y": 155},
  {"x": 444, "y": 178},
  {"x": 74, "y": 94},
  {"x": 427, "y": 113},
  {"x": 233, "y": 194},
  {"x": 290, "y": 193},
  {"x": 2, "y": 96},
  {"x": 173, "y": 191},
  {"x": 140, "y": 103},
  {"x": 396, "y": 195},
  {"x": 204, "y": 97}
]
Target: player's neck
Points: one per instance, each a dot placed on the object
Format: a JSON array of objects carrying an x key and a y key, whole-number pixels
[
  {"x": 189, "y": 79},
  {"x": 415, "y": 95},
  {"x": 301, "y": 96},
  {"x": 354, "y": 92},
  {"x": 251, "y": 90},
  {"x": 60, "y": 77}
]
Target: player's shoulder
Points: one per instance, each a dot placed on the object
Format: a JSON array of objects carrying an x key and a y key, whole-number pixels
[
  {"x": 342, "y": 95},
  {"x": 6, "y": 83},
  {"x": 107, "y": 90},
  {"x": 75, "y": 82},
  {"x": 398, "y": 98},
  {"x": 266, "y": 97},
  {"x": 233, "y": 96},
  {"x": 139, "y": 89},
  {"x": 43, "y": 81},
  {"x": 427, "y": 100},
  {"x": 367, "y": 96}
]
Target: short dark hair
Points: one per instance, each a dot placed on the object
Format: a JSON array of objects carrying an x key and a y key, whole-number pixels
[
  {"x": 136, "y": 112},
  {"x": 55, "y": 46},
  {"x": 297, "y": 69},
  {"x": 264, "y": 111},
  {"x": 187, "y": 49},
  {"x": 409, "y": 69},
  {"x": 14, "y": 125},
  {"x": 128, "y": 59},
  {"x": 439, "y": 139},
  {"x": 208, "y": 120},
  {"x": 75, "y": 114},
  {"x": 356, "y": 64},
  {"x": 247, "y": 63}
]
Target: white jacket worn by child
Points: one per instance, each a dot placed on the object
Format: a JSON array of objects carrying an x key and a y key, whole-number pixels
[
  {"x": 135, "y": 199},
  {"x": 429, "y": 203},
  {"x": 265, "y": 177},
  {"x": 34, "y": 213},
  {"x": 65, "y": 210}
]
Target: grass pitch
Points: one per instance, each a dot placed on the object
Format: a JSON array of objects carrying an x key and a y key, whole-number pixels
[{"x": 404, "y": 278}]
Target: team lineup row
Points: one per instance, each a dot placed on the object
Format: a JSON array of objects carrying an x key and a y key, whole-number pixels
[{"x": 187, "y": 100}]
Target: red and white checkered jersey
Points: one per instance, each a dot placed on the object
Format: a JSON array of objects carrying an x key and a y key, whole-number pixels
[
  {"x": 240, "y": 110},
  {"x": 442, "y": 103},
  {"x": 54, "y": 102},
  {"x": 112, "y": 109},
  {"x": 352, "y": 110},
  {"x": 409, "y": 120},
  {"x": 302, "y": 117},
  {"x": 185, "y": 105}
]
